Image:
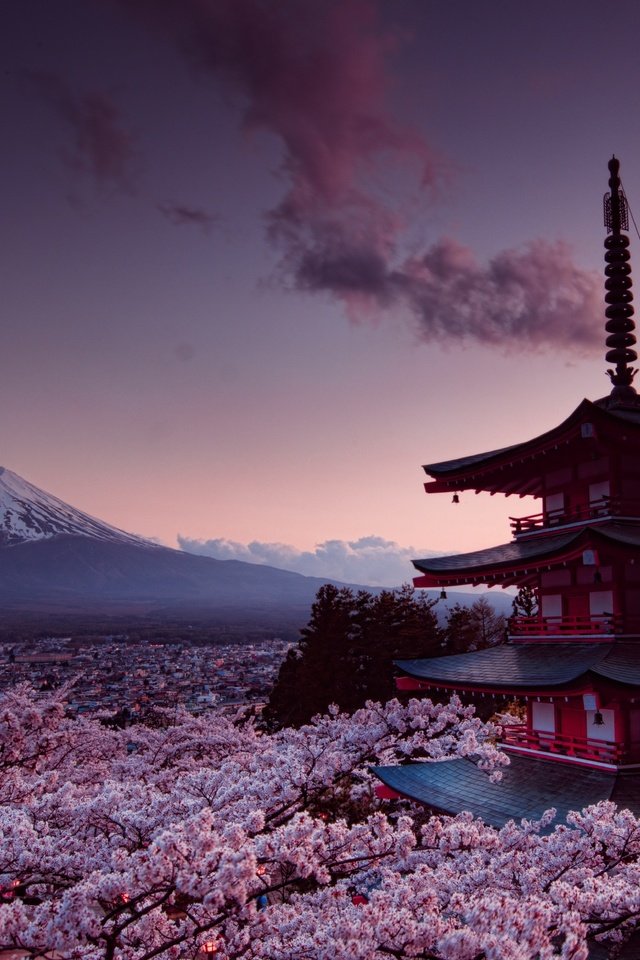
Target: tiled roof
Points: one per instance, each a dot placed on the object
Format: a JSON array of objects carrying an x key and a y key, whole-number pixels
[
  {"x": 528, "y": 788},
  {"x": 621, "y": 532},
  {"x": 520, "y": 551},
  {"x": 584, "y": 410},
  {"x": 530, "y": 665},
  {"x": 461, "y": 463},
  {"x": 622, "y": 663},
  {"x": 521, "y": 665},
  {"x": 505, "y": 553}
]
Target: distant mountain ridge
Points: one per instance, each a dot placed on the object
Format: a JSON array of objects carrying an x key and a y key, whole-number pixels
[{"x": 56, "y": 559}]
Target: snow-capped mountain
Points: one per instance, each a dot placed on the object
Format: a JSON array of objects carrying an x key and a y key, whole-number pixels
[
  {"x": 57, "y": 561},
  {"x": 28, "y": 513}
]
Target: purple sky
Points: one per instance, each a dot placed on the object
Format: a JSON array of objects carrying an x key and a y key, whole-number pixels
[{"x": 262, "y": 259}]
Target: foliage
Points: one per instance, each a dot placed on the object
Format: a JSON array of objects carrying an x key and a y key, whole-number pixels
[
  {"x": 474, "y": 627},
  {"x": 525, "y": 602},
  {"x": 169, "y": 851},
  {"x": 346, "y": 652}
]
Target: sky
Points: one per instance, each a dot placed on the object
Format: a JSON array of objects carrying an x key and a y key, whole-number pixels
[{"x": 263, "y": 259}]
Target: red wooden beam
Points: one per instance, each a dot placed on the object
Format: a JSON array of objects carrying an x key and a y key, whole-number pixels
[{"x": 383, "y": 792}]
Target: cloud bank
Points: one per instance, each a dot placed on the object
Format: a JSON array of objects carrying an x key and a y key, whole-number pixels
[
  {"x": 317, "y": 76},
  {"x": 371, "y": 560}
]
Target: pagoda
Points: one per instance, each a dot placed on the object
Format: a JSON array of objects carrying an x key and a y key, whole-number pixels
[{"x": 575, "y": 664}]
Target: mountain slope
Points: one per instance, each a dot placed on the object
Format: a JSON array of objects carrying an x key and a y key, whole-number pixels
[
  {"x": 54, "y": 558},
  {"x": 28, "y": 513},
  {"x": 79, "y": 567}
]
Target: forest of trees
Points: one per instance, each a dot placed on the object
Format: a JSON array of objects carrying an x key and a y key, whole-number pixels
[{"x": 345, "y": 654}]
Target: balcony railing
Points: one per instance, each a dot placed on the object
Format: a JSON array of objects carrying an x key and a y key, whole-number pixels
[
  {"x": 598, "y": 509},
  {"x": 596, "y": 625},
  {"x": 579, "y": 748}
]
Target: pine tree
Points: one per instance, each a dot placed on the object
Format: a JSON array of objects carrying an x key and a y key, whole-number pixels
[
  {"x": 490, "y": 626},
  {"x": 525, "y": 602},
  {"x": 309, "y": 679},
  {"x": 345, "y": 654},
  {"x": 474, "y": 627}
]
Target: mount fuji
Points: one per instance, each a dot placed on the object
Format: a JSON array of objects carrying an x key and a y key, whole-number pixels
[
  {"x": 28, "y": 513},
  {"x": 55, "y": 559}
]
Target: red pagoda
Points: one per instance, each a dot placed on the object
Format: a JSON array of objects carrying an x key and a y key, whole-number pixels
[{"x": 576, "y": 664}]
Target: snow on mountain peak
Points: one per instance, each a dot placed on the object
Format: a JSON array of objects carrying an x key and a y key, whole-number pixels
[{"x": 28, "y": 513}]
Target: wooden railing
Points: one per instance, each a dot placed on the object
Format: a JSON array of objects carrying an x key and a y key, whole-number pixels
[
  {"x": 606, "y": 507},
  {"x": 580, "y": 748},
  {"x": 604, "y": 624}
]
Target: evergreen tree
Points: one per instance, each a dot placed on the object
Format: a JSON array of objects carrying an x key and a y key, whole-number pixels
[
  {"x": 309, "y": 680},
  {"x": 525, "y": 602},
  {"x": 345, "y": 653},
  {"x": 490, "y": 626},
  {"x": 459, "y": 633},
  {"x": 401, "y": 625},
  {"x": 474, "y": 627}
]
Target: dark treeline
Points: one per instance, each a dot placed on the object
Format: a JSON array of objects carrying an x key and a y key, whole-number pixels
[{"x": 345, "y": 653}]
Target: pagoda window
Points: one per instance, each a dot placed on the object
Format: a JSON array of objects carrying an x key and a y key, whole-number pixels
[
  {"x": 551, "y": 604},
  {"x": 554, "y": 506},
  {"x": 599, "y": 491},
  {"x": 600, "y": 602},
  {"x": 599, "y": 494},
  {"x": 543, "y": 718}
]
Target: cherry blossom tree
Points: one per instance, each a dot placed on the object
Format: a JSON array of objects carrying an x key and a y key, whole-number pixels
[{"x": 210, "y": 837}]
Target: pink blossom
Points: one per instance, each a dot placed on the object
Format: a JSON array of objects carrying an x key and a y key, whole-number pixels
[{"x": 159, "y": 853}]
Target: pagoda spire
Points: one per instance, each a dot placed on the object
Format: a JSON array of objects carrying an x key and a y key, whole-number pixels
[{"x": 618, "y": 297}]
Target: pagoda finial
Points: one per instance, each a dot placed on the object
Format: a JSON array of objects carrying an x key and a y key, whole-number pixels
[{"x": 619, "y": 311}]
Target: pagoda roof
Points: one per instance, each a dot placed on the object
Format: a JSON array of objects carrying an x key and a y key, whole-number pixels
[
  {"x": 621, "y": 664},
  {"x": 528, "y": 788},
  {"x": 485, "y": 471},
  {"x": 519, "y": 554},
  {"x": 522, "y": 666},
  {"x": 511, "y": 553},
  {"x": 510, "y": 666}
]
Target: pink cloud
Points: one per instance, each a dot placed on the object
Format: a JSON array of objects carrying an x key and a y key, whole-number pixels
[
  {"x": 182, "y": 215},
  {"x": 312, "y": 73},
  {"x": 316, "y": 75},
  {"x": 99, "y": 146},
  {"x": 533, "y": 296},
  {"x": 529, "y": 296}
]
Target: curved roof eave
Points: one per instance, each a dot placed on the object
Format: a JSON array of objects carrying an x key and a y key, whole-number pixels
[
  {"x": 512, "y": 666},
  {"x": 528, "y": 788},
  {"x": 458, "y": 468},
  {"x": 445, "y": 467},
  {"x": 510, "y": 554},
  {"x": 518, "y": 553}
]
